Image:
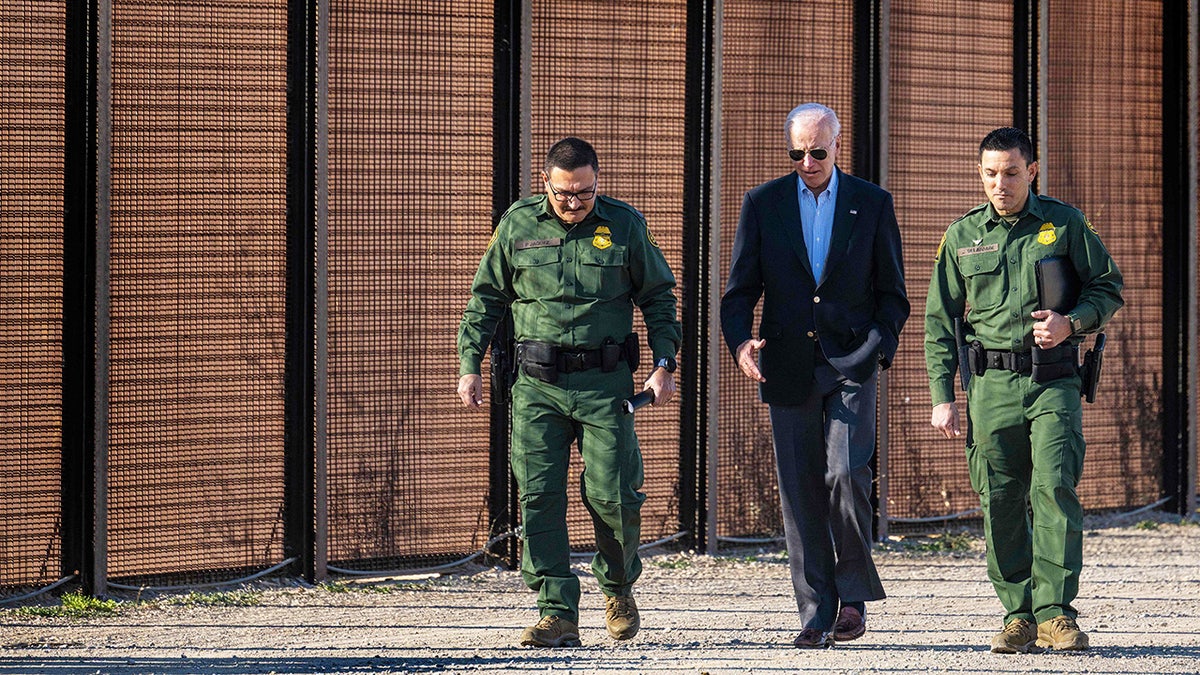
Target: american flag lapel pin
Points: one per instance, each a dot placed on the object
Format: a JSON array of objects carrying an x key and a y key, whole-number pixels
[{"x": 854, "y": 212}]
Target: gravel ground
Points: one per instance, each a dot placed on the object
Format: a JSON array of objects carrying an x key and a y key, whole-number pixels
[{"x": 731, "y": 613}]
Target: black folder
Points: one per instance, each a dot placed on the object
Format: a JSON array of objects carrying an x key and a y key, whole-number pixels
[{"x": 1057, "y": 284}]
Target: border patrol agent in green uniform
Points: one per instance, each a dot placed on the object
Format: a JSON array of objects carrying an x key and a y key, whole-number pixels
[
  {"x": 572, "y": 264},
  {"x": 1025, "y": 430}
]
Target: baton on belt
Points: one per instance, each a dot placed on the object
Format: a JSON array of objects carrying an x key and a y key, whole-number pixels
[{"x": 637, "y": 401}]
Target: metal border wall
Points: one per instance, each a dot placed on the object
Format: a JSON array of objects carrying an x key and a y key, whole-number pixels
[{"x": 259, "y": 282}]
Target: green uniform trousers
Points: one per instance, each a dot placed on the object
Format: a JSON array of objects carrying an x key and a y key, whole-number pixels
[
  {"x": 585, "y": 407},
  {"x": 1025, "y": 454}
]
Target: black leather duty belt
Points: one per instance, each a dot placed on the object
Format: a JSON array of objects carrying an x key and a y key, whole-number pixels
[{"x": 563, "y": 360}]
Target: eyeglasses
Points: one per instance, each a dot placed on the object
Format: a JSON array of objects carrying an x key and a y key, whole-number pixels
[
  {"x": 564, "y": 196},
  {"x": 816, "y": 153}
]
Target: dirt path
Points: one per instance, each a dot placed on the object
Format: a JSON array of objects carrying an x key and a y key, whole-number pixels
[{"x": 1140, "y": 603}]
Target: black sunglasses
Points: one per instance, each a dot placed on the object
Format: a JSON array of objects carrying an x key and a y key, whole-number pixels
[{"x": 816, "y": 153}]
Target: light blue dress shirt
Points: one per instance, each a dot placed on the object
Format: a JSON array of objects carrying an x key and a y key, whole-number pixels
[{"x": 816, "y": 217}]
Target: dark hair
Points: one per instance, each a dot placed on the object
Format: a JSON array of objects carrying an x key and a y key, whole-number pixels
[
  {"x": 572, "y": 153},
  {"x": 1008, "y": 138}
]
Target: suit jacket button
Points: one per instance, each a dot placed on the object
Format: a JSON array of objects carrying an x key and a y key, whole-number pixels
[{"x": 817, "y": 299}]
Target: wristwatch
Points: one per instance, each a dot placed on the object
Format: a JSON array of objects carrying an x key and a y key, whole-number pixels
[
  {"x": 1076, "y": 323},
  {"x": 667, "y": 363}
]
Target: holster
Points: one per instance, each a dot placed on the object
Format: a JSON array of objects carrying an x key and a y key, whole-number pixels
[
  {"x": 538, "y": 360},
  {"x": 1054, "y": 363},
  {"x": 503, "y": 372},
  {"x": 1090, "y": 372}
]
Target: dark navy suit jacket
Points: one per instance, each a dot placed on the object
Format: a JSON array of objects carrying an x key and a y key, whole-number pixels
[{"x": 855, "y": 311}]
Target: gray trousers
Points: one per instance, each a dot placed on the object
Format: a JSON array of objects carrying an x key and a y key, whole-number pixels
[{"x": 823, "y": 449}]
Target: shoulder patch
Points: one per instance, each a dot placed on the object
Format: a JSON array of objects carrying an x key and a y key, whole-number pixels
[
  {"x": 1088, "y": 221},
  {"x": 650, "y": 238},
  {"x": 938, "y": 256}
]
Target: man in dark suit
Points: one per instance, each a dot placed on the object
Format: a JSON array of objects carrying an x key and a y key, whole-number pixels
[{"x": 822, "y": 250}]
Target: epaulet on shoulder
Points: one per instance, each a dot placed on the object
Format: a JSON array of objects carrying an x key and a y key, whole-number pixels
[
  {"x": 1058, "y": 202},
  {"x": 618, "y": 204},
  {"x": 970, "y": 213},
  {"x": 522, "y": 204}
]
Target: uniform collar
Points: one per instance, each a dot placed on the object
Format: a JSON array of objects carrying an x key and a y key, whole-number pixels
[
  {"x": 599, "y": 212},
  {"x": 1033, "y": 206}
]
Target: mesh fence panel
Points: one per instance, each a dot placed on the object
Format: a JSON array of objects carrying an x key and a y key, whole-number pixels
[
  {"x": 32, "y": 38},
  {"x": 618, "y": 82},
  {"x": 1087, "y": 80},
  {"x": 198, "y": 250},
  {"x": 410, "y": 138},
  {"x": 938, "y": 115},
  {"x": 767, "y": 69},
  {"x": 195, "y": 407}
]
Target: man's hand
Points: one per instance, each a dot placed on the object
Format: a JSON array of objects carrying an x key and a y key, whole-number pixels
[
  {"x": 747, "y": 359},
  {"x": 470, "y": 390},
  {"x": 663, "y": 384},
  {"x": 1051, "y": 330},
  {"x": 945, "y": 419}
]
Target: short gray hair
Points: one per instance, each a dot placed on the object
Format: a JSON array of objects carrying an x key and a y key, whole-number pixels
[{"x": 815, "y": 112}]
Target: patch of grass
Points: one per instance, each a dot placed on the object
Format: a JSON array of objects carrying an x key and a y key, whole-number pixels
[
  {"x": 376, "y": 588},
  {"x": 673, "y": 563},
  {"x": 750, "y": 558},
  {"x": 218, "y": 599},
  {"x": 335, "y": 587},
  {"x": 1146, "y": 525},
  {"x": 945, "y": 542},
  {"x": 74, "y": 605}
]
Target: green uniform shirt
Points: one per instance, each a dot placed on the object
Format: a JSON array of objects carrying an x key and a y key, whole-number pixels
[
  {"x": 570, "y": 286},
  {"x": 986, "y": 264}
]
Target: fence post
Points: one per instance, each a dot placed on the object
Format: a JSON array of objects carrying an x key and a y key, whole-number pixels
[
  {"x": 510, "y": 151},
  {"x": 869, "y": 121},
  {"x": 300, "y": 413},
  {"x": 1178, "y": 247},
  {"x": 83, "y": 388},
  {"x": 697, "y": 233}
]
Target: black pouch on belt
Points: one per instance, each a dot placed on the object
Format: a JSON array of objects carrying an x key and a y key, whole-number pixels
[
  {"x": 976, "y": 359},
  {"x": 1054, "y": 363},
  {"x": 610, "y": 355},
  {"x": 633, "y": 352}
]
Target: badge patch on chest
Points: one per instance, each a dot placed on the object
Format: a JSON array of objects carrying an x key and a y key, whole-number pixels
[
  {"x": 1046, "y": 234},
  {"x": 602, "y": 239},
  {"x": 976, "y": 250}
]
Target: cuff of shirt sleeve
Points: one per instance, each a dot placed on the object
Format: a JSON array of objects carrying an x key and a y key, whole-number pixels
[
  {"x": 468, "y": 366},
  {"x": 1087, "y": 319},
  {"x": 941, "y": 391},
  {"x": 660, "y": 349}
]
